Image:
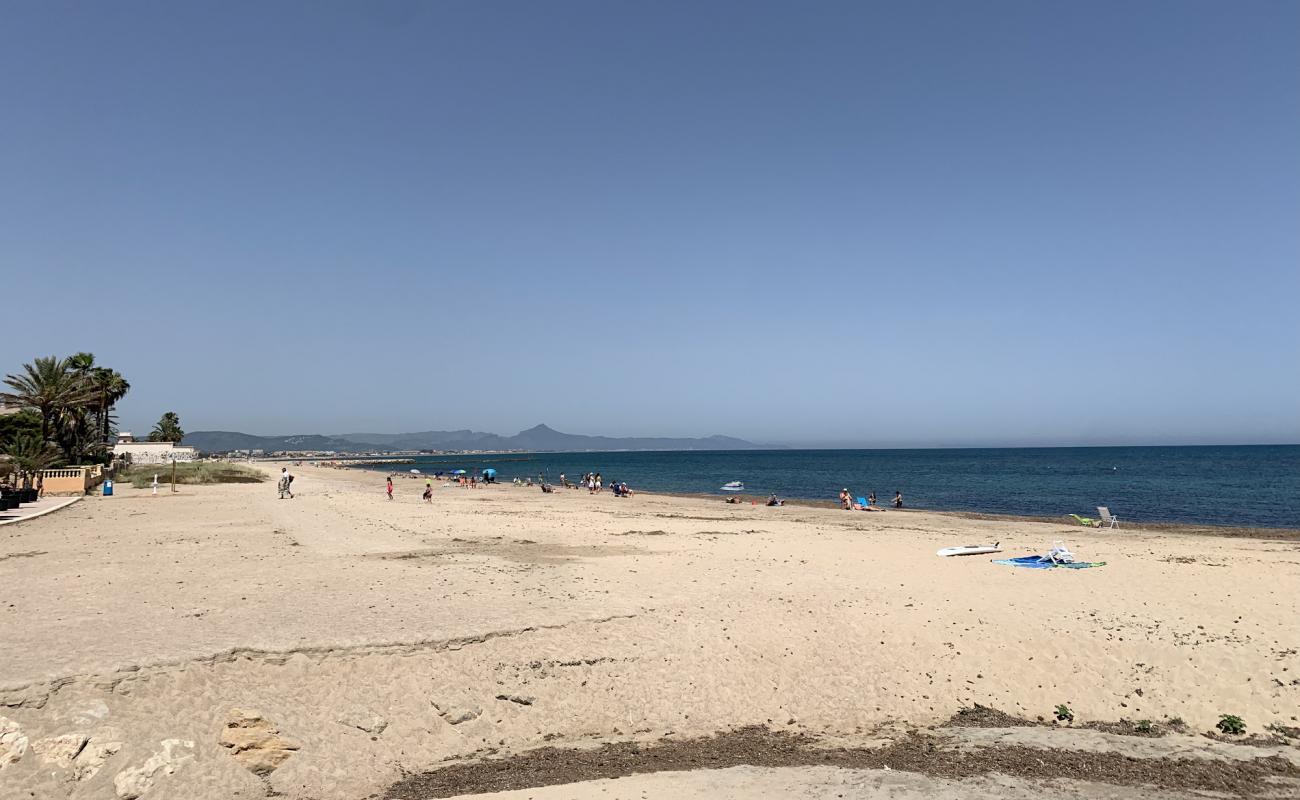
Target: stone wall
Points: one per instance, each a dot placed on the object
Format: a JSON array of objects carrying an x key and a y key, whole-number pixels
[{"x": 71, "y": 480}]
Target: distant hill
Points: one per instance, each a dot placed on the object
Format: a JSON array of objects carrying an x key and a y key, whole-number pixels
[
  {"x": 225, "y": 441},
  {"x": 539, "y": 438}
]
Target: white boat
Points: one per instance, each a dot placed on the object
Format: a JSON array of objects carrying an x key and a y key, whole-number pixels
[{"x": 734, "y": 486}]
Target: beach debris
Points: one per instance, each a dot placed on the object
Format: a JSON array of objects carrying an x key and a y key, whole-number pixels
[
  {"x": 254, "y": 742},
  {"x": 135, "y": 781},
  {"x": 13, "y": 742},
  {"x": 454, "y": 713},
  {"x": 364, "y": 721},
  {"x": 523, "y": 700},
  {"x": 60, "y": 750}
]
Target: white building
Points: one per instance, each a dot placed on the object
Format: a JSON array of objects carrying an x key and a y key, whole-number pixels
[{"x": 151, "y": 452}]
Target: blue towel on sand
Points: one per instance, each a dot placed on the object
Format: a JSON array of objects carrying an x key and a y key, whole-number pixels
[{"x": 1043, "y": 562}]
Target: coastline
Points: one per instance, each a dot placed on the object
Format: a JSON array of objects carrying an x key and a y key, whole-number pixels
[
  {"x": 1157, "y": 485},
  {"x": 1183, "y": 528},
  {"x": 389, "y": 638}
]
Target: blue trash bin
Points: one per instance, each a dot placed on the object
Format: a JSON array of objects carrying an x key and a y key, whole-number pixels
[{"x": 108, "y": 488}]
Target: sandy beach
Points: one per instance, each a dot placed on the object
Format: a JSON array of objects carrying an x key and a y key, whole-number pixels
[{"x": 222, "y": 643}]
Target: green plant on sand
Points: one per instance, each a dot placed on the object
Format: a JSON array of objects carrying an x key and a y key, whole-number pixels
[
  {"x": 198, "y": 472},
  {"x": 1231, "y": 724},
  {"x": 1064, "y": 714}
]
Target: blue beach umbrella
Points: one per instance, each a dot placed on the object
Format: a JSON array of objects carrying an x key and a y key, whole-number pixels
[
  {"x": 490, "y": 471},
  {"x": 458, "y": 472}
]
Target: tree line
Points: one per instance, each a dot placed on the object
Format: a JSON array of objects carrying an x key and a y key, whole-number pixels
[{"x": 65, "y": 413}]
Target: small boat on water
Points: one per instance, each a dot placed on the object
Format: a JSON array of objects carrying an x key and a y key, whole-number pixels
[{"x": 734, "y": 486}]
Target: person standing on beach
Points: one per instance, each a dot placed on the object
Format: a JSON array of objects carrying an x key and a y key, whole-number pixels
[
  {"x": 286, "y": 483},
  {"x": 846, "y": 502},
  {"x": 898, "y": 499},
  {"x": 390, "y": 487}
]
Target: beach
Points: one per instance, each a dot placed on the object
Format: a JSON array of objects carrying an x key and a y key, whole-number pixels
[{"x": 220, "y": 642}]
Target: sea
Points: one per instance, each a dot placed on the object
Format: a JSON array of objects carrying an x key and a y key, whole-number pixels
[{"x": 1245, "y": 486}]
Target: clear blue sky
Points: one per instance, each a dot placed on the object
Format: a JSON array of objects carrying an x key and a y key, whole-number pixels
[{"x": 811, "y": 223}]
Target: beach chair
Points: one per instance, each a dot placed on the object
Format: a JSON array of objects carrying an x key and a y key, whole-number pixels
[
  {"x": 1107, "y": 519},
  {"x": 862, "y": 501},
  {"x": 1086, "y": 522}
]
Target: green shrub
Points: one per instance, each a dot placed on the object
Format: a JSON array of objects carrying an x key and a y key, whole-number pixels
[
  {"x": 1064, "y": 714},
  {"x": 198, "y": 472},
  {"x": 1231, "y": 724}
]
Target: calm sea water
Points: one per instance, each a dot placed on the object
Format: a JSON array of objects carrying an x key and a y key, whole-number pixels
[{"x": 1243, "y": 486}]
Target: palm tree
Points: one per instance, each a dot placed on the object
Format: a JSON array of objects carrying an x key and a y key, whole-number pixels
[
  {"x": 110, "y": 388},
  {"x": 30, "y": 454},
  {"x": 84, "y": 430},
  {"x": 168, "y": 429},
  {"x": 50, "y": 385}
]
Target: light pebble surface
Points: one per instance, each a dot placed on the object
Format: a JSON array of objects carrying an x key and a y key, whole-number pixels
[{"x": 379, "y": 636}]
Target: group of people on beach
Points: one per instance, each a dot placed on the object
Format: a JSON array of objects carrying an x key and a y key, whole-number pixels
[
  {"x": 594, "y": 483},
  {"x": 848, "y": 503},
  {"x": 428, "y": 489}
]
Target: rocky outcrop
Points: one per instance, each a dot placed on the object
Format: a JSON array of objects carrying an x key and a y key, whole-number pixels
[
  {"x": 364, "y": 721},
  {"x": 454, "y": 712},
  {"x": 132, "y": 782},
  {"x": 254, "y": 742},
  {"x": 13, "y": 742},
  {"x": 101, "y": 746},
  {"x": 59, "y": 751}
]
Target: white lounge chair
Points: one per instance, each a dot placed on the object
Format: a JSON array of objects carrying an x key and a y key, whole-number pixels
[{"x": 1108, "y": 520}]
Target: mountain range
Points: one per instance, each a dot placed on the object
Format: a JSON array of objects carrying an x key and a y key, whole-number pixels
[{"x": 540, "y": 438}]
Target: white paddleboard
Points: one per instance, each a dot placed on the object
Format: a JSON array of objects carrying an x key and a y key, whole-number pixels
[{"x": 969, "y": 550}]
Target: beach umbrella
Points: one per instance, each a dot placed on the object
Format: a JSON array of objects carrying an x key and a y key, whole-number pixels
[
  {"x": 415, "y": 472},
  {"x": 489, "y": 471},
  {"x": 458, "y": 472}
]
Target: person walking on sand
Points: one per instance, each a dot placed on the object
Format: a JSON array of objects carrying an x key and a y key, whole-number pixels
[
  {"x": 898, "y": 499},
  {"x": 390, "y": 487},
  {"x": 286, "y": 483}
]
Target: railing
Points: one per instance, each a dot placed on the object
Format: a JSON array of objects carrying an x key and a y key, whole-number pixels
[{"x": 71, "y": 480}]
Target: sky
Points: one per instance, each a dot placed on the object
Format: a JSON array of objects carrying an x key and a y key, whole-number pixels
[{"x": 825, "y": 224}]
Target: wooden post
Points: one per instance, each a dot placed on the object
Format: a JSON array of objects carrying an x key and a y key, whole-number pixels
[{"x": 173, "y": 474}]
